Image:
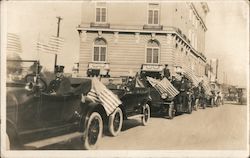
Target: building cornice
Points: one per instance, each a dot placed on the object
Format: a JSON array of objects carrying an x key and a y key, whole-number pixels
[
  {"x": 167, "y": 30},
  {"x": 198, "y": 16}
]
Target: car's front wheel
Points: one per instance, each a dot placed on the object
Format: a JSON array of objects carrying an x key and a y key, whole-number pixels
[
  {"x": 115, "y": 122},
  {"x": 146, "y": 115},
  {"x": 93, "y": 131},
  {"x": 171, "y": 111},
  {"x": 189, "y": 107},
  {"x": 7, "y": 142}
]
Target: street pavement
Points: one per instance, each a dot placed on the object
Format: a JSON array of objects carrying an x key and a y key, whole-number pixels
[{"x": 217, "y": 128}]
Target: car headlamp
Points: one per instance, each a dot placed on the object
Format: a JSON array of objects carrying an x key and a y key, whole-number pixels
[{"x": 164, "y": 96}]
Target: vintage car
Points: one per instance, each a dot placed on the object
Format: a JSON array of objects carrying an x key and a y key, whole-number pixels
[
  {"x": 36, "y": 118},
  {"x": 135, "y": 102},
  {"x": 161, "y": 104}
]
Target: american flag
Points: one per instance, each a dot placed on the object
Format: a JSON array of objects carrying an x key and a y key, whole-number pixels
[
  {"x": 13, "y": 43},
  {"x": 206, "y": 86},
  {"x": 100, "y": 93},
  {"x": 163, "y": 86},
  {"x": 54, "y": 46},
  {"x": 189, "y": 74}
]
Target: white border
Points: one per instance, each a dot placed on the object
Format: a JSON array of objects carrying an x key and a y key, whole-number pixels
[{"x": 103, "y": 153}]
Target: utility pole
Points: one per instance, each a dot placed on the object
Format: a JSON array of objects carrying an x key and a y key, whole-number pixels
[{"x": 57, "y": 35}]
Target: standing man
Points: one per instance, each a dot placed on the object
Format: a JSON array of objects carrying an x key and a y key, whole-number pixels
[{"x": 166, "y": 72}]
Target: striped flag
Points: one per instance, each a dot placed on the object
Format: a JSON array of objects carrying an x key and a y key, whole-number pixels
[
  {"x": 169, "y": 87},
  {"x": 53, "y": 46},
  {"x": 163, "y": 87},
  {"x": 206, "y": 86},
  {"x": 99, "y": 93},
  {"x": 189, "y": 74},
  {"x": 13, "y": 43}
]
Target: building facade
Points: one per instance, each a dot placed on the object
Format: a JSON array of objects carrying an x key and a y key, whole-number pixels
[{"x": 123, "y": 36}]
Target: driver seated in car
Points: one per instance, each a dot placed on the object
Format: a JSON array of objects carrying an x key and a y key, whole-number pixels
[{"x": 61, "y": 84}]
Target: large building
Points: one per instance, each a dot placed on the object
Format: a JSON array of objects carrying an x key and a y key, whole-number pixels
[{"x": 123, "y": 36}]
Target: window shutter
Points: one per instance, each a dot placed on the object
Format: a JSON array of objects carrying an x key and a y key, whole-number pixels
[{"x": 98, "y": 16}]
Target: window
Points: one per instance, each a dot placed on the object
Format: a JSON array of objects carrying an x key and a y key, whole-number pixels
[
  {"x": 100, "y": 50},
  {"x": 101, "y": 13},
  {"x": 152, "y": 52},
  {"x": 153, "y": 14}
]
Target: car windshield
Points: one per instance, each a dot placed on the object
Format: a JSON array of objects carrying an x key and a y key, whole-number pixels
[{"x": 18, "y": 69}]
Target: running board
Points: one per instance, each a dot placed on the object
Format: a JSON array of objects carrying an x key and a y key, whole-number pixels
[
  {"x": 135, "y": 116},
  {"x": 53, "y": 140}
]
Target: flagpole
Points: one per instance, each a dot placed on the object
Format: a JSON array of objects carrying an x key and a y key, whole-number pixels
[{"x": 58, "y": 31}]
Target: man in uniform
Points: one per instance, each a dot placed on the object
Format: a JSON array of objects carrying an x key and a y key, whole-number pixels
[
  {"x": 166, "y": 72},
  {"x": 183, "y": 91},
  {"x": 61, "y": 84}
]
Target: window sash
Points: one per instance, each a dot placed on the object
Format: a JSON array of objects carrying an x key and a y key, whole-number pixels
[
  {"x": 152, "y": 55},
  {"x": 99, "y": 53},
  {"x": 101, "y": 14},
  {"x": 153, "y": 16}
]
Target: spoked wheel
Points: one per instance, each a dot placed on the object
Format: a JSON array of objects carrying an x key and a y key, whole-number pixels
[
  {"x": 196, "y": 104},
  {"x": 115, "y": 122},
  {"x": 171, "y": 111},
  {"x": 93, "y": 131},
  {"x": 146, "y": 115},
  {"x": 189, "y": 107}
]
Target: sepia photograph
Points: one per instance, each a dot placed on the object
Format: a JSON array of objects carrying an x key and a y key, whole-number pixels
[{"x": 141, "y": 78}]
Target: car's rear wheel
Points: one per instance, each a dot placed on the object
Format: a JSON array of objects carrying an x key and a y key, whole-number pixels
[
  {"x": 115, "y": 122},
  {"x": 171, "y": 111},
  {"x": 189, "y": 107},
  {"x": 93, "y": 131},
  {"x": 196, "y": 104},
  {"x": 146, "y": 115}
]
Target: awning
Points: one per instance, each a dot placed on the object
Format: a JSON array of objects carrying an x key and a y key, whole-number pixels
[{"x": 163, "y": 87}]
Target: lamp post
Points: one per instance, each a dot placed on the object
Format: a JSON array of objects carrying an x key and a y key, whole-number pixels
[{"x": 57, "y": 35}]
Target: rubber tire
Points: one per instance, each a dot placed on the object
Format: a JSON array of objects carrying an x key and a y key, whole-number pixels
[
  {"x": 171, "y": 111},
  {"x": 189, "y": 107},
  {"x": 86, "y": 144},
  {"x": 144, "y": 120},
  {"x": 196, "y": 104},
  {"x": 111, "y": 129},
  {"x": 7, "y": 142}
]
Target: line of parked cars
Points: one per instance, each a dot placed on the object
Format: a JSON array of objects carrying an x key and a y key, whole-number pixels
[{"x": 37, "y": 118}]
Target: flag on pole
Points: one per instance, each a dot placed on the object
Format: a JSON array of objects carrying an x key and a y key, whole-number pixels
[
  {"x": 13, "y": 43},
  {"x": 100, "y": 93},
  {"x": 53, "y": 46}
]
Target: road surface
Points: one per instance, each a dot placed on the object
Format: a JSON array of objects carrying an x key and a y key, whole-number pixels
[{"x": 218, "y": 128}]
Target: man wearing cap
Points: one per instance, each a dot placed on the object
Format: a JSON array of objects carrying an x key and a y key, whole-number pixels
[
  {"x": 61, "y": 84},
  {"x": 166, "y": 72}
]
